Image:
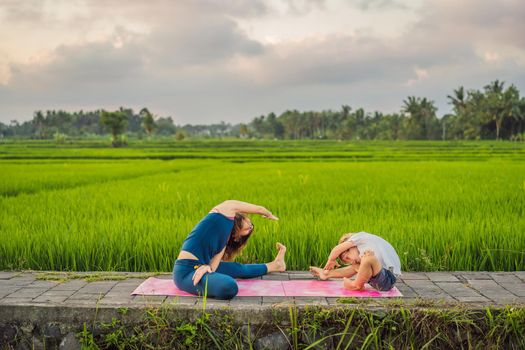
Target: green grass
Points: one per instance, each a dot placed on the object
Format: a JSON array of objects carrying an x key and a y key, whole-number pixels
[
  {"x": 440, "y": 212},
  {"x": 256, "y": 150},
  {"x": 22, "y": 176},
  {"x": 403, "y": 327}
]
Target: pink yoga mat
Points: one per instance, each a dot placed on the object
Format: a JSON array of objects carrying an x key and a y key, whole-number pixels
[
  {"x": 333, "y": 288},
  {"x": 266, "y": 288}
]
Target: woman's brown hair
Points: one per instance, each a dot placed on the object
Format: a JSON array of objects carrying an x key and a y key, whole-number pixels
[{"x": 235, "y": 245}]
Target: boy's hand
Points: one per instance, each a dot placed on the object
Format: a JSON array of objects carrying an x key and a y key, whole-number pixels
[{"x": 330, "y": 265}]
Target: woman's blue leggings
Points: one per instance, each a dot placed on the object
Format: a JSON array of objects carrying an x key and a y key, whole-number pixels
[{"x": 221, "y": 284}]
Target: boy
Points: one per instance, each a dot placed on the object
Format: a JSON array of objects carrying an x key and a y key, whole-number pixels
[{"x": 373, "y": 259}]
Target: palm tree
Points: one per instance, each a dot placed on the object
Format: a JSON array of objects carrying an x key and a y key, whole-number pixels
[
  {"x": 520, "y": 118},
  {"x": 495, "y": 104},
  {"x": 512, "y": 105},
  {"x": 411, "y": 105},
  {"x": 421, "y": 115},
  {"x": 458, "y": 100},
  {"x": 148, "y": 122},
  {"x": 244, "y": 132},
  {"x": 38, "y": 122},
  {"x": 428, "y": 111},
  {"x": 116, "y": 122},
  {"x": 412, "y": 108}
]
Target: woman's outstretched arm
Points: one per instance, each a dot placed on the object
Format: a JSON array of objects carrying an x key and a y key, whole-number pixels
[{"x": 232, "y": 207}]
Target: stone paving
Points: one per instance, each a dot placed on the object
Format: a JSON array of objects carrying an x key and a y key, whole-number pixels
[{"x": 469, "y": 288}]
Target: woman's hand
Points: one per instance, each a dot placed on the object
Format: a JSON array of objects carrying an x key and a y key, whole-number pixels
[
  {"x": 268, "y": 214},
  {"x": 197, "y": 276}
]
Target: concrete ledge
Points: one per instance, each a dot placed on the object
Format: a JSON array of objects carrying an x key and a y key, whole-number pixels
[
  {"x": 41, "y": 313},
  {"x": 35, "y": 295}
]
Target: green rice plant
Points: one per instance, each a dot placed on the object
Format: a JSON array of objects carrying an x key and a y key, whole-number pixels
[
  {"x": 133, "y": 214},
  {"x": 19, "y": 177},
  {"x": 250, "y": 150}
]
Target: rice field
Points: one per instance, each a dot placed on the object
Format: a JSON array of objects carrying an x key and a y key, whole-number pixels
[{"x": 83, "y": 206}]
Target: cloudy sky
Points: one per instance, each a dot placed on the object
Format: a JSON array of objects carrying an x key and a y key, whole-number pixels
[{"x": 204, "y": 61}]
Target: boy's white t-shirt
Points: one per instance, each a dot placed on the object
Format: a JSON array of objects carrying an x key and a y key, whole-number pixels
[{"x": 382, "y": 249}]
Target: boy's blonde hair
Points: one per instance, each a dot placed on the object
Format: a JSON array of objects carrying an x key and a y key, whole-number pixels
[{"x": 345, "y": 237}]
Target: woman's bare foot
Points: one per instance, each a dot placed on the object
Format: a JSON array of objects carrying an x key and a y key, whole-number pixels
[
  {"x": 280, "y": 257},
  {"x": 318, "y": 272},
  {"x": 278, "y": 265},
  {"x": 351, "y": 285}
]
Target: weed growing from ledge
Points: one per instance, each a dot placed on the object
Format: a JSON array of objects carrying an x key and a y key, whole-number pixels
[
  {"x": 62, "y": 277},
  {"x": 319, "y": 328}
]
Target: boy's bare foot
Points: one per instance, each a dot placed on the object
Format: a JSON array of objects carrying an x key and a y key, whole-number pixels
[
  {"x": 318, "y": 272},
  {"x": 278, "y": 264},
  {"x": 351, "y": 285}
]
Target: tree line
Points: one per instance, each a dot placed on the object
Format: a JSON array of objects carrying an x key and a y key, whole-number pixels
[{"x": 495, "y": 112}]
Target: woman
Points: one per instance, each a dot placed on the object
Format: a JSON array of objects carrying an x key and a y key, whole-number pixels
[{"x": 221, "y": 235}]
